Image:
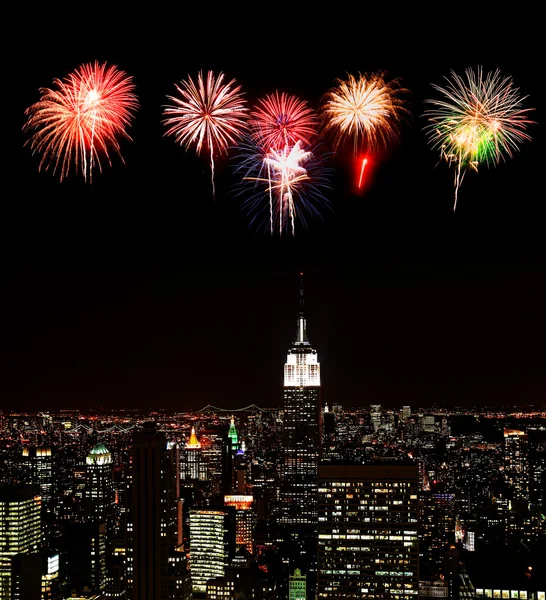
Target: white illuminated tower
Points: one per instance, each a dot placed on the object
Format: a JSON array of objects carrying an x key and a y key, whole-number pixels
[{"x": 301, "y": 429}]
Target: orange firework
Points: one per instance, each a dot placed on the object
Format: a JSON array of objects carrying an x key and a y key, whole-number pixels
[
  {"x": 82, "y": 119},
  {"x": 368, "y": 108}
]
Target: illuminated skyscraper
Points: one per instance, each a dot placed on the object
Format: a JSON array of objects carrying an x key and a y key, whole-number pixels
[
  {"x": 245, "y": 520},
  {"x": 301, "y": 429},
  {"x": 232, "y": 434},
  {"x": 516, "y": 463},
  {"x": 516, "y": 473},
  {"x": 208, "y": 547},
  {"x": 194, "y": 467},
  {"x": 38, "y": 466},
  {"x": 99, "y": 487},
  {"x": 38, "y": 470},
  {"x": 368, "y": 531},
  {"x": 20, "y": 542},
  {"x": 375, "y": 416}
]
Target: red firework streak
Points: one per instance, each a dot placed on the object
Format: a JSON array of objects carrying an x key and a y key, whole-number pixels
[{"x": 364, "y": 162}]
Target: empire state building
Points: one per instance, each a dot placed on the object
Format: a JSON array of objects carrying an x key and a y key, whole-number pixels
[{"x": 301, "y": 429}]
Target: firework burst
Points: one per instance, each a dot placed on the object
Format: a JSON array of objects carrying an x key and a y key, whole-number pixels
[
  {"x": 368, "y": 109},
  {"x": 279, "y": 120},
  {"x": 368, "y": 112},
  {"x": 210, "y": 115},
  {"x": 480, "y": 119},
  {"x": 286, "y": 185},
  {"x": 81, "y": 119}
]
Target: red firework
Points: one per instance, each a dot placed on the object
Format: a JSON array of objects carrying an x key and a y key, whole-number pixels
[
  {"x": 82, "y": 119},
  {"x": 281, "y": 120}
]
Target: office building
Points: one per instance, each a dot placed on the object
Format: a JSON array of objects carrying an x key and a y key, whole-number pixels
[
  {"x": 209, "y": 548},
  {"x": 194, "y": 467},
  {"x": 368, "y": 531},
  {"x": 99, "y": 487},
  {"x": 20, "y": 542}
]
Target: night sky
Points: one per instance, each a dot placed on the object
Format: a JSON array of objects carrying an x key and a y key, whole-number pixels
[{"x": 141, "y": 290}]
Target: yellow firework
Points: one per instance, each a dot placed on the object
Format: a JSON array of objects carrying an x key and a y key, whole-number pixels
[{"x": 367, "y": 109}]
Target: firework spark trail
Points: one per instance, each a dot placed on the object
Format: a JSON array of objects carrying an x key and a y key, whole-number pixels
[
  {"x": 209, "y": 114},
  {"x": 480, "y": 119},
  {"x": 81, "y": 118},
  {"x": 285, "y": 165},
  {"x": 279, "y": 120},
  {"x": 362, "y": 167},
  {"x": 368, "y": 108}
]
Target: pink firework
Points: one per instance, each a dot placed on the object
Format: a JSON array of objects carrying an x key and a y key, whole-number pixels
[
  {"x": 81, "y": 119},
  {"x": 209, "y": 114},
  {"x": 281, "y": 120}
]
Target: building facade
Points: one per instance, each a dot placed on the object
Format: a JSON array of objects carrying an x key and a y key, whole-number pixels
[
  {"x": 20, "y": 542},
  {"x": 155, "y": 565},
  {"x": 368, "y": 531}
]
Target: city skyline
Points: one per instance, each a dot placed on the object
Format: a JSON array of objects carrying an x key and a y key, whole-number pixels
[{"x": 142, "y": 288}]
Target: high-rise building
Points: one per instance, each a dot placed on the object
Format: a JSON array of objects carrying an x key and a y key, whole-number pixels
[
  {"x": 155, "y": 566},
  {"x": 38, "y": 467},
  {"x": 20, "y": 542},
  {"x": 245, "y": 520},
  {"x": 301, "y": 429},
  {"x": 84, "y": 558},
  {"x": 375, "y": 416},
  {"x": 368, "y": 531},
  {"x": 38, "y": 470},
  {"x": 99, "y": 487},
  {"x": 516, "y": 463},
  {"x": 194, "y": 468},
  {"x": 209, "y": 547},
  {"x": 233, "y": 436},
  {"x": 516, "y": 473}
]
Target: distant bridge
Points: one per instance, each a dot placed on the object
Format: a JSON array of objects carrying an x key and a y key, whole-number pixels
[{"x": 209, "y": 408}]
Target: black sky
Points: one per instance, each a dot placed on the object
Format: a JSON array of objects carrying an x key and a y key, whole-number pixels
[{"x": 142, "y": 290}]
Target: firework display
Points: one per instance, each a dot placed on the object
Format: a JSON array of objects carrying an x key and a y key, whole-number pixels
[
  {"x": 281, "y": 145},
  {"x": 479, "y": 118},
  {"x": 282, "y": 185},
  {"x": 366, "y": 112},
  {"x": 281, "y": 168},
  {"x": 367, "y": 109},
  {"x": 209, "y": 114},
  {"x": 81, "y": 119},
  {"x": 280, "y": 120}
]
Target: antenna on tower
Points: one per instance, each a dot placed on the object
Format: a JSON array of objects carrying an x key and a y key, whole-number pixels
[{"x": 301, "y": 293}]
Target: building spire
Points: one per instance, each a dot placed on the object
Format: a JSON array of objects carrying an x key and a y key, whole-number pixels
[
  {"x": 301, "y": 294},
  {"x": 301, "y": 337},
  {"x": 193, "y": 443},
  {"x": 232, "y": 434}
]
